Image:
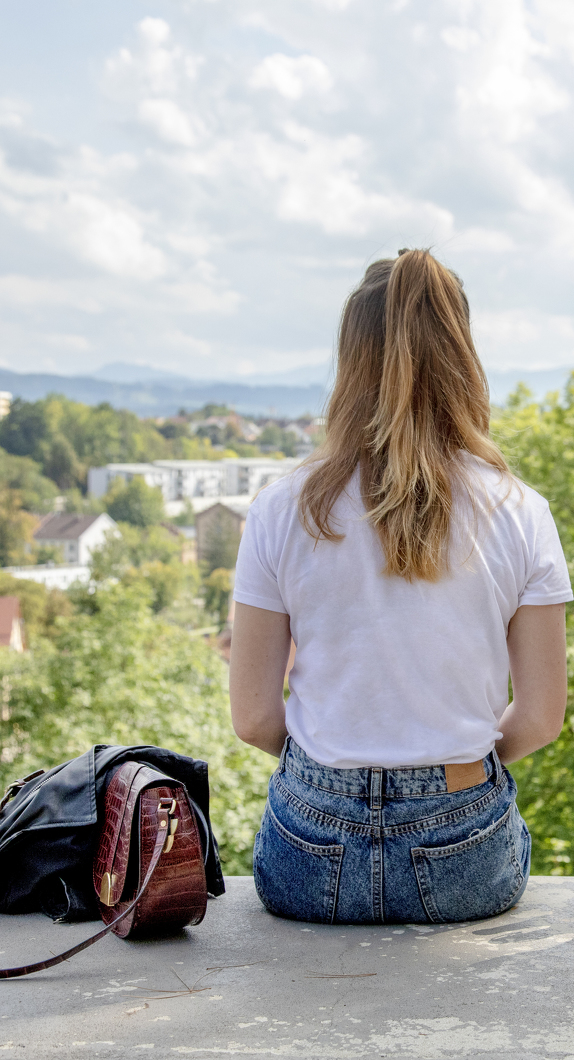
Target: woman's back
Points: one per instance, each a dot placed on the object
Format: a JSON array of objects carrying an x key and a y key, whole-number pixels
[{"x": 393, "y": 672}]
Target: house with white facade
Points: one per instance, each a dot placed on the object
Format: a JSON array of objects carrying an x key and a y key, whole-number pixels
[{"x": 75, "y": 535}]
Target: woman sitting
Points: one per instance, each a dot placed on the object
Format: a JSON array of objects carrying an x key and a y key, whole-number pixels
[{"x": 412, "y": 571}]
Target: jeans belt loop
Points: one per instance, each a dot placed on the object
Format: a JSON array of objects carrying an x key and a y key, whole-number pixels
[
  {"x": 281, "y": 766},
  {"x": 498, "y": 767}
]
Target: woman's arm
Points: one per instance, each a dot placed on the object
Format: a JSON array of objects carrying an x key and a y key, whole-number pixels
[
  {"x": 259, "y": 654},
  {"x": 537, "y": 653}
]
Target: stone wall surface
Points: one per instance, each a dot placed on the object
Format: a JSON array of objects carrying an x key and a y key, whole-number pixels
[{"x": 244, "y": 983}]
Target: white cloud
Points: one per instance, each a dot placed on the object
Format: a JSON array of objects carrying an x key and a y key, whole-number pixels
[
  {"x": 192, "y": 296},
  {"x": 557, "y": 23},
  {"x": 483, "y": 241},
  {"x": 515, "y": 338},
  {"x": 11, "y": 113},
  {"x": 503, "y": 90},
  {"x": 461, "y": 38},
  {"x": 335, "y": 5},
  {"x": 154, "y": 31},
  {"x": 292, "y": 77},
  {"x": 182, "y": 340},
  {"x": 96, "y": 227},
  {"x": 319, "y": 178},
  {"x": 69, "y": 342},
  {"x": 168, "y": 120},
  {"x": 216, "y": 218},
  {"x": 27, "y": 291},
  {"x": 155, "y": 66},
  {"x": 110, "y": 237}
]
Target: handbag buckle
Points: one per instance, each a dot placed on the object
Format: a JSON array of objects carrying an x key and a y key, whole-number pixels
[
  {"x": 172, "y": 823},
  {"x": 107, "y": 888}
]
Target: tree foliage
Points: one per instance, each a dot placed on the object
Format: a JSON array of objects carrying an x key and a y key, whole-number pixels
[
  {"x": 36, "y": 493},
  {"x": 538, "y": 441},
  {"x": 222, "y": 543},
  {"x": 16, "y": 531},
  {"x": 67, "y": 437},
  {"x": 23, "y": 490},
  {"x": 40, "y": 607},
  {"x": 274, "y": 437},
  {"x": 134, "y": 502},
  {"x": 217, "y": 590}
]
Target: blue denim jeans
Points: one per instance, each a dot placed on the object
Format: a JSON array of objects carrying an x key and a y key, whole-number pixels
[{"x": 357, "y": 846}]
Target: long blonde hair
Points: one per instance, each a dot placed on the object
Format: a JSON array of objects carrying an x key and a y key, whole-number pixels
[{"x": 409, "y": 395}]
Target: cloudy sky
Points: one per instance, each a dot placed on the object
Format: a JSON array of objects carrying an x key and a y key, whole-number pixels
[{"x": 197, "y": 184}]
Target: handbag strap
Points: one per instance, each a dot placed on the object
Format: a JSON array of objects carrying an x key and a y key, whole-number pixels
[{"x": 27, "y": 969}]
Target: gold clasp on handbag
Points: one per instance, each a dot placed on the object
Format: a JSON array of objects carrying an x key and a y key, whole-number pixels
[
  {"x": 107, "y": 888},
  {"x": 173, "y": 823}
]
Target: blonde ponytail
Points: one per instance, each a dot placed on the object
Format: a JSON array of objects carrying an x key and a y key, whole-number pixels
[{"x": 409, "y": 395}]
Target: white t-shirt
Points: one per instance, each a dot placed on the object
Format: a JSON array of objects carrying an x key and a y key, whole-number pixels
[{"x": 389, "y": 672}]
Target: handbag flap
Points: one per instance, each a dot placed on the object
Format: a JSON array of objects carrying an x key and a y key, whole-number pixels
[{"x": 113, "y": 849}]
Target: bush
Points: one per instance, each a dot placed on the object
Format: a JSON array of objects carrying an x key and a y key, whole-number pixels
[
  {"x": 536, "y": 438},
  {"x": 135, "y": 503}
]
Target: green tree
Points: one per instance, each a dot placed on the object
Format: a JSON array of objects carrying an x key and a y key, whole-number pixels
[
  {"x": 133, "y": 546},
  {"x": 222, "y": 543},
  {"x": 151, "y": 557},
  {"x": 24, "y": 428},
  {"x": 273, "y": 437},
  {"x": 17, "y": 526},
  {"x": 40, "y": 607},
  {"x": 135, "y": 503},
  {"x": 61, "y": 463},
  {"x": 186, "y": 517},
  {"x": 66, "y": 437},
  {"x": 36, "y": 493},
  {"x": 217, "y": 590},
  {"x": 165, "y": 580},
  {"x": 538, "y": 441}
]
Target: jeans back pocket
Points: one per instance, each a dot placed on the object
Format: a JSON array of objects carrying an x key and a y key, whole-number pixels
[
  {"x": 478, "y": 877},
  {"x": 295, "y": 878}
]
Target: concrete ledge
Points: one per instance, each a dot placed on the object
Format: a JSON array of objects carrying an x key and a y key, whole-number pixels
[{"x": 265, "y": 987}]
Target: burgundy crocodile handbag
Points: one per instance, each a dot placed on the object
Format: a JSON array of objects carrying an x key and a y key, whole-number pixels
[{"x": 148, "y": 869}]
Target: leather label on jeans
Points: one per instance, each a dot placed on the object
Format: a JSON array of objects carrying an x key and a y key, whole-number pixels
[{"x": 461, "y": 775}]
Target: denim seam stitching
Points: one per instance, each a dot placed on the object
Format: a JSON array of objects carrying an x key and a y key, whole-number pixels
[
  {"x": 364, "y": 792},
  {"x": 327, "y": 851},
  {"x": 401, "y": 829},
  {"x": 333, "y": 791},
  {"x": 465, "y": 844}
]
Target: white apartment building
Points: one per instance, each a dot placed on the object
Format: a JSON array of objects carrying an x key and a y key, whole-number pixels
[
  {"x": 181, "y": 480},
  {"x": 101, "y": 478}
]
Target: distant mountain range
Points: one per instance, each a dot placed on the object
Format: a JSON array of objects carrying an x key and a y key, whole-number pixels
[
  {"x": 151, "y": 392},
  {"x": 166, "y": 395},
  {"x": 304, "y": 375}
]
